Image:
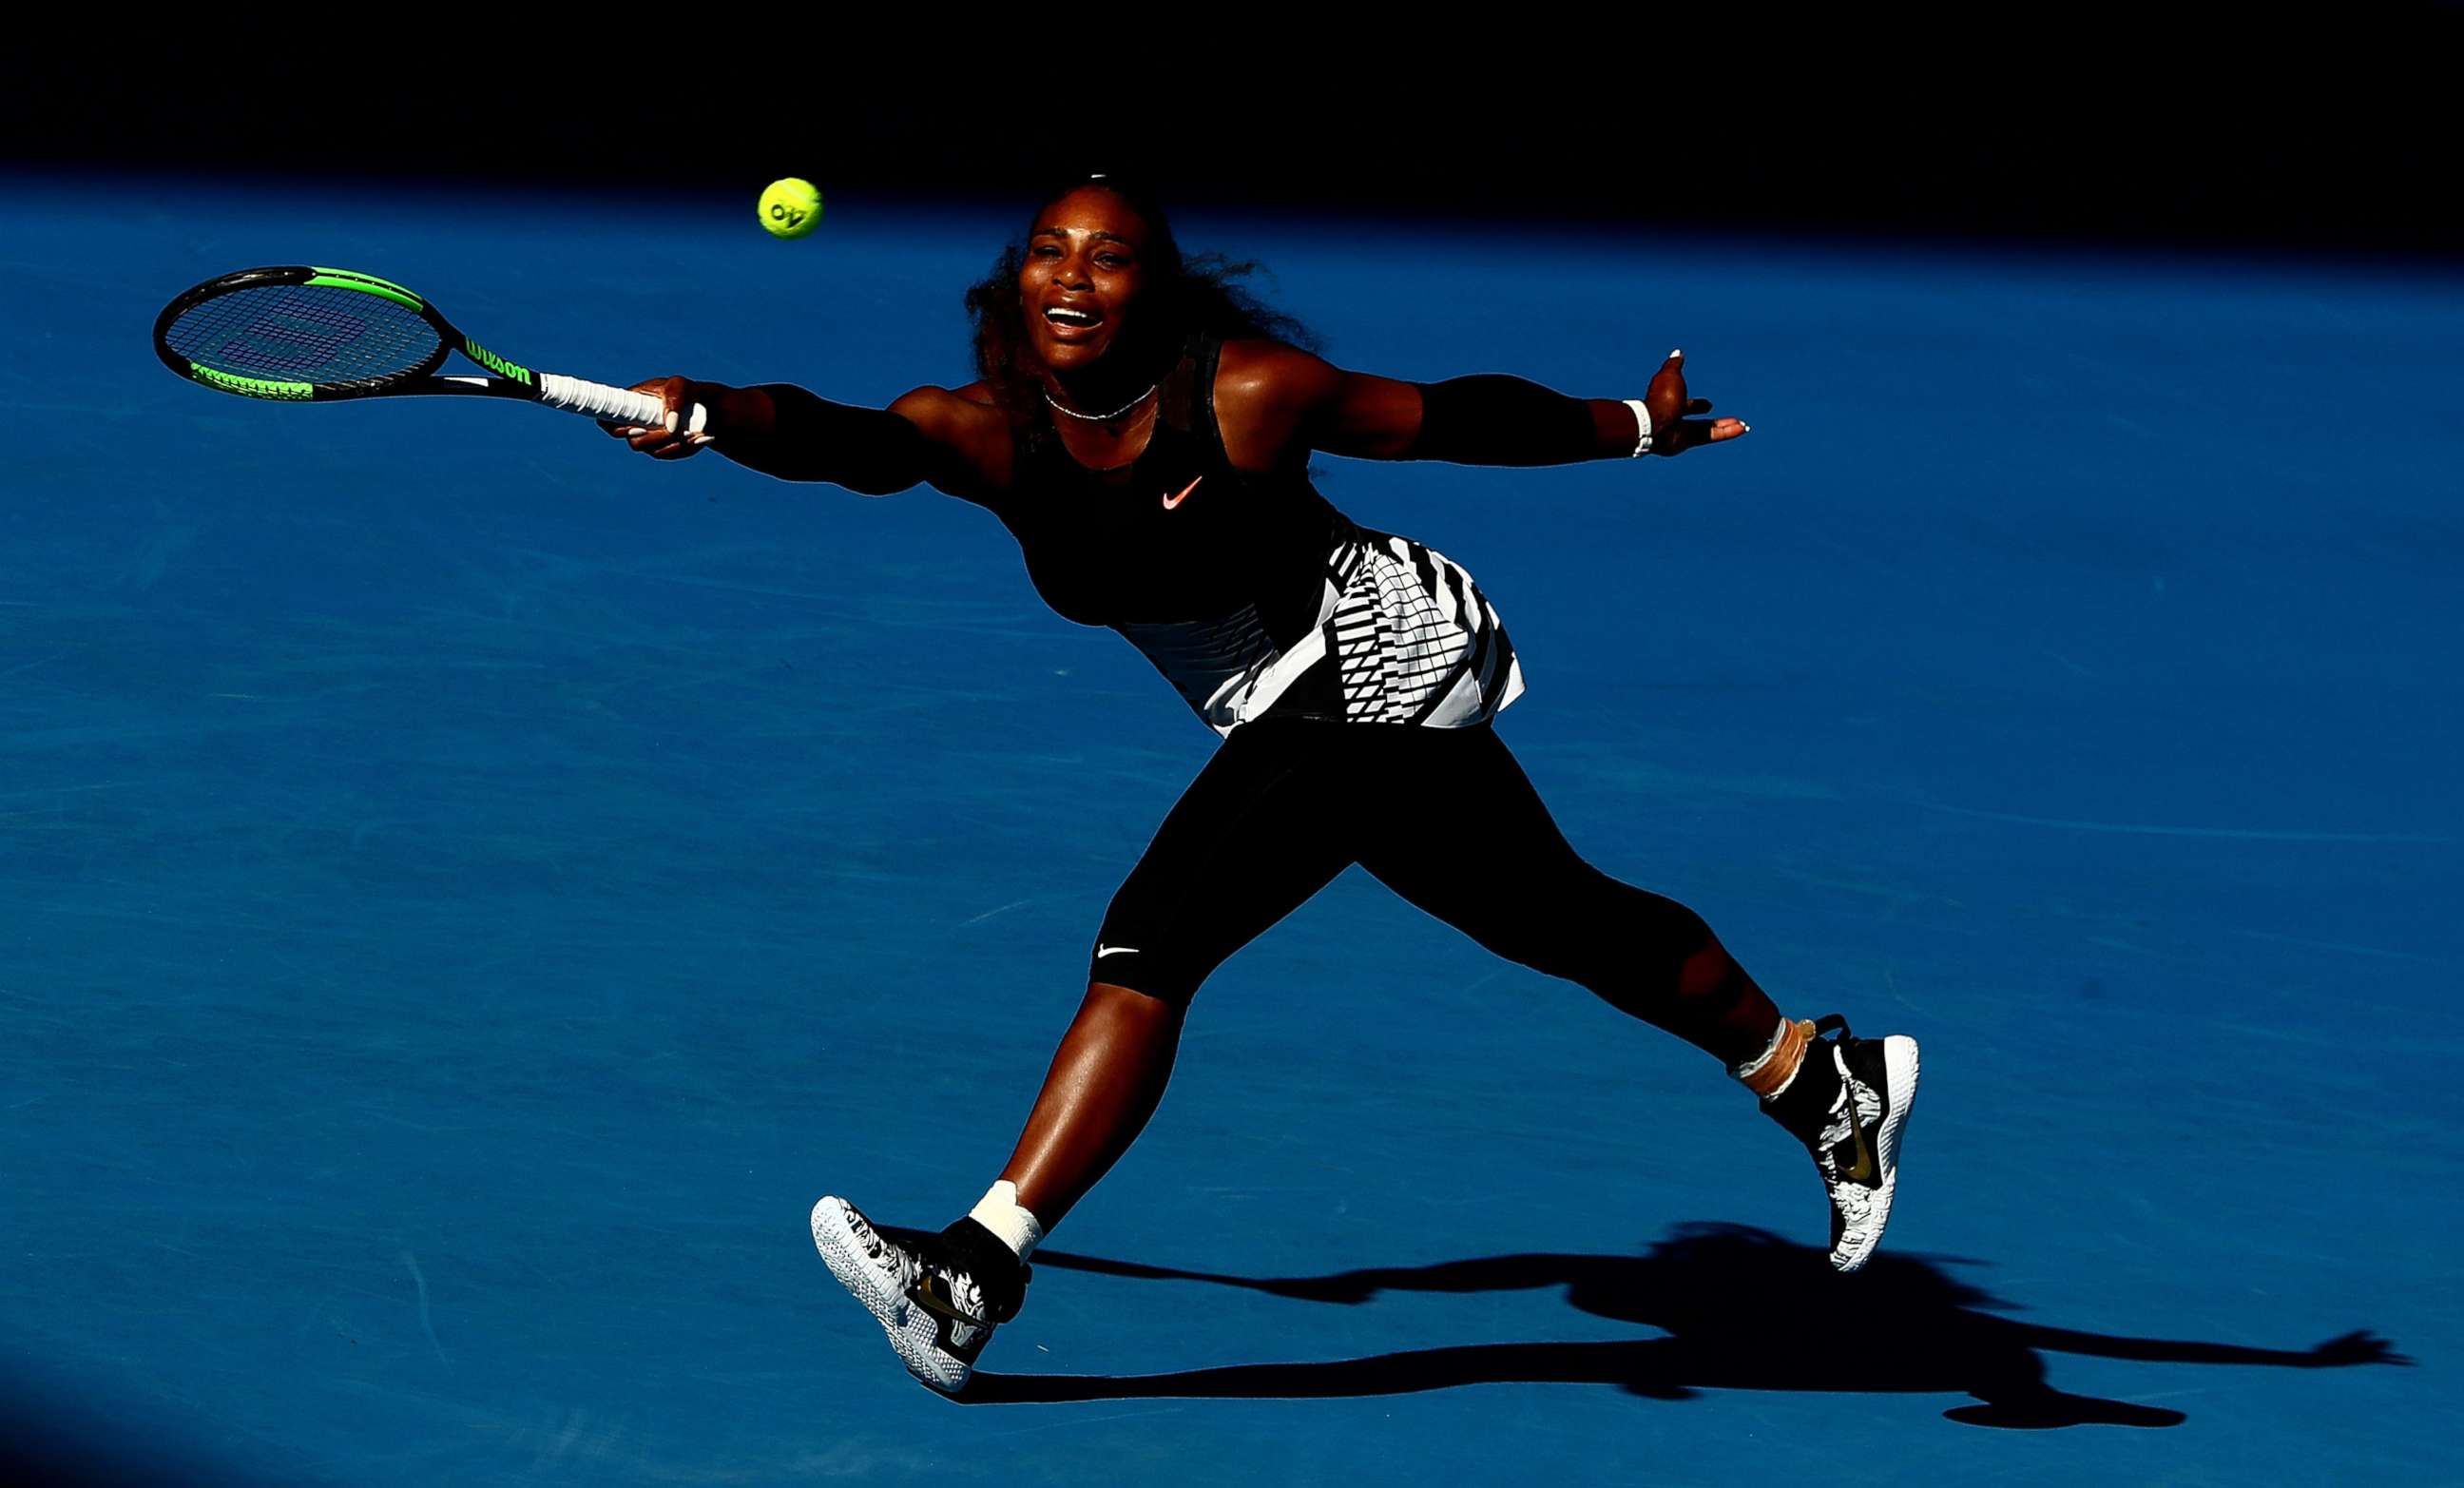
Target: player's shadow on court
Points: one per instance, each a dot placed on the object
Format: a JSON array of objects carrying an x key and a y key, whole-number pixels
[{"x": 1743, "y": 1309}]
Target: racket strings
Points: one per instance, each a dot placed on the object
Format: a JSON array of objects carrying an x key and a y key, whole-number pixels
[{"x": 303, "y": 333}]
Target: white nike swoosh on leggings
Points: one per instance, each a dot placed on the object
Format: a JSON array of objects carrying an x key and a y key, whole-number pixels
[{"x": 1102, "y": 952}]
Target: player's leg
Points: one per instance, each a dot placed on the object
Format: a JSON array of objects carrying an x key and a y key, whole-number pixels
[
  {"x": 1472, "y": 843},
  {"x": 1106, "y": 1080},
  {"x": 1491, "y": 862},
  {"x": 1254, "y": 835}
]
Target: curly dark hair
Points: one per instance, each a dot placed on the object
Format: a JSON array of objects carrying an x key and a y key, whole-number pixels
[{"x": 1183, "y": 295}]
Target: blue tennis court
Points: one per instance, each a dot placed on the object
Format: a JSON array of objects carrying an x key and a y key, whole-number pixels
[{"x": 468, "y": 890}]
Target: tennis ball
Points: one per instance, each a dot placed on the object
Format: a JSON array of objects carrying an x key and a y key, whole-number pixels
[{"x": 790, "y": 208}]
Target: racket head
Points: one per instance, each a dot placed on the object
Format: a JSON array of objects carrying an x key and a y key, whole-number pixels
[{"x": 297, "y": 333}]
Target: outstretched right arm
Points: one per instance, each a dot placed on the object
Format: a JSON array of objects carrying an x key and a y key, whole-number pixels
[{"x": 957, "y": 442}]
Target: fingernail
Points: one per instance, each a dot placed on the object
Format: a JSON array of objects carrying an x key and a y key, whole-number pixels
[
  {"x": 1674, "y": 355},
  {"x": 632, "y": 431},
  {"x": 1743, "y": 425},
  {"x": 671, "y": 422}
]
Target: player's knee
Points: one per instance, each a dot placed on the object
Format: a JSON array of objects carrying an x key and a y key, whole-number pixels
[
  {"x": 1707, "y": 971},
  {"x": 1611, "y": 933},
  {"x": 1143, "y": 989},
  {"x": 1139, "y": 997},
  {"x": 1654, "y": 927}
]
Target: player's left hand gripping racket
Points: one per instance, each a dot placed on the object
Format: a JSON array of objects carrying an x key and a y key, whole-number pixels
[{"x": 304, "y": 335}]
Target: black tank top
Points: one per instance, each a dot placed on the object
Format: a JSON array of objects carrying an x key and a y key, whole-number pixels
[
  {"x": 1250, "y": 592},
  {"x": 1179, "y": 534}
]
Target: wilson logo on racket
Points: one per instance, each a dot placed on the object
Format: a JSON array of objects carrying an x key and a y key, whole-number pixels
[
  {"x": 308, "y": 335},
  {"x": 493, "y": 362}
]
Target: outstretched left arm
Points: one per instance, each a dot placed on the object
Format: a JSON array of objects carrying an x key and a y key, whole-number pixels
[{"x": 1282, "y": 402}]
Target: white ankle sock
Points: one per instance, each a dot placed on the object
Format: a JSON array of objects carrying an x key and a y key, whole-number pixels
[{"x": 999, "y": 1211}]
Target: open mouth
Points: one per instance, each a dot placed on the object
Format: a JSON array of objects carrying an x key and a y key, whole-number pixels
[{"x": 1070, "y": 322}]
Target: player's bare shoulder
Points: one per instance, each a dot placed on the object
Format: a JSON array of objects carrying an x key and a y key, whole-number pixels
[
  {"x": 970, "y": 429},
  {"x": 949, "y": 415},
  {"x": 1266, "y": 395},
  {"x": 1258, "y": 370}
]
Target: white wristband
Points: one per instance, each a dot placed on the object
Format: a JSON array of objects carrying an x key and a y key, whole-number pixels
[{"x": 1642, "y": 423}]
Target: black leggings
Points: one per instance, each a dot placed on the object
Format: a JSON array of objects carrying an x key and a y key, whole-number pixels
[{"x": 1442, "y": 817}]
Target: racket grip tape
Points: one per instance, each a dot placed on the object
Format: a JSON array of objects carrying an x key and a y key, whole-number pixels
[{"x": 612, "y": 405}]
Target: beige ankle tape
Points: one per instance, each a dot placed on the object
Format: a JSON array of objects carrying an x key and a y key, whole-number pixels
[{"x": 1767, "y": 1076}]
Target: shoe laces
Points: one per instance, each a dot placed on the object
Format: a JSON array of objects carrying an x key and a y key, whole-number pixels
[
  {"x": 1858, "y": 1100},
  {"x": 1840, "y": 1123},
  {"x": 1857, "y": 1104},
  {"x": 893, "y": 1260}
]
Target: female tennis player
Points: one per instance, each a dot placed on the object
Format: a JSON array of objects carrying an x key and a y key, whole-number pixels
[{"x": 1143, "y": 428}]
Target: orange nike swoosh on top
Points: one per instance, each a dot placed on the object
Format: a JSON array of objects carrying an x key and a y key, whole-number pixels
[{"x": 1171, "y": 502}]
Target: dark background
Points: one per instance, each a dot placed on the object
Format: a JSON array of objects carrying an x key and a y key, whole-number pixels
[{"x": 2335, "y": 132}]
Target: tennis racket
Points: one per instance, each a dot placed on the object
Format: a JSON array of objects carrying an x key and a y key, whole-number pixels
[{"x": 304, "y": 335}]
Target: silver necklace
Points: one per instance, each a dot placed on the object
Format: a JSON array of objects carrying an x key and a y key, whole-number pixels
[{"x": 1059, "y": 406}]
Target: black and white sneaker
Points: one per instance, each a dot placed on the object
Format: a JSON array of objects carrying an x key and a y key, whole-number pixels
[
  {"x": 926, "y": 1294},
  {"x": 1850, "y": 1114}
]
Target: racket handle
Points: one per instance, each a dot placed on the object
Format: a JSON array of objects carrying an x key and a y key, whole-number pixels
[{"x": 612, "y": 405}]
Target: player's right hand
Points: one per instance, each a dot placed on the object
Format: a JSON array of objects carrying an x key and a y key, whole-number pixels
[{"x": 671, "y": 440}]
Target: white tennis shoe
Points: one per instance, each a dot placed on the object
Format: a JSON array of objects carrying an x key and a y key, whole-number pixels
[{"x": 932, "y": 1309}]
